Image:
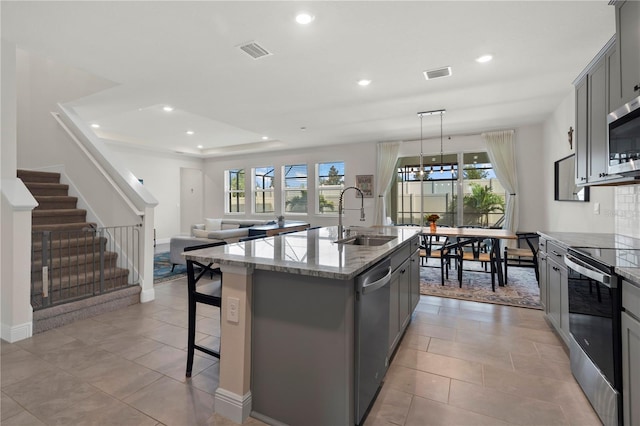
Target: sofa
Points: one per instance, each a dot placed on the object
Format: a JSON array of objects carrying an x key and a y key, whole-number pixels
[{"x": 212, "y": 230}]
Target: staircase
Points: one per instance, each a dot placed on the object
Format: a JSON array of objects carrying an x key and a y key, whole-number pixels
[{"x": 66, "y": 248}]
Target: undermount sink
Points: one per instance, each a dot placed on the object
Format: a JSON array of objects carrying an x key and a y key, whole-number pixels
[{"x": 367, "y": 240}]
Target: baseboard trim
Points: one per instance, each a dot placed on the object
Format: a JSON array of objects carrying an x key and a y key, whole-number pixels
[
  {"x": 17, "y": 332},
  {"x": 147, "y": 295},
  {"x": 234, "y": 407}
]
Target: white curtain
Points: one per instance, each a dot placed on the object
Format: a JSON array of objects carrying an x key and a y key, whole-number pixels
[
  {"x": 502, "y": 153},
  {"x": 387, "y": 157}
]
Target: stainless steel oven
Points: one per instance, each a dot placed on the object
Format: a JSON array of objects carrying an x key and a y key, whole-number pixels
[{"x": 594, "y": 324}]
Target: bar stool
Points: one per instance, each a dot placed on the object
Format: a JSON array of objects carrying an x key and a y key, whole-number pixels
[{"x": 210, "y": 294}]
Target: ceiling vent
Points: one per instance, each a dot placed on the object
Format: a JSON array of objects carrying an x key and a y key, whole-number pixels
[
  {"x": 437, "y": 73},
  {"x": 254, "y": 50}
]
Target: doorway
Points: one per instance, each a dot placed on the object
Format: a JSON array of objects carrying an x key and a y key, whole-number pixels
[{"x": 191, "y": 198}]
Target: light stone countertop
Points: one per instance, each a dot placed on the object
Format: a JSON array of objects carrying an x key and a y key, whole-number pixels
[
  {"x": 583, "y": 239},
  {"x": 313, "y": 252}
]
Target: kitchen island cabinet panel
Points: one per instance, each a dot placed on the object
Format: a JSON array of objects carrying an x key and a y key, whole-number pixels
[{"x": 303, "y": 349}]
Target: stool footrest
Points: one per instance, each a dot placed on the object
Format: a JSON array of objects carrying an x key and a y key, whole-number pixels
[{"x": 207, "y": 351}]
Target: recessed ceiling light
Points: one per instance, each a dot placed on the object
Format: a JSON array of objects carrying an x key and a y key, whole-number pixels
[
  {"x": 264, "y": 138},
  {"x": 167, "y": 108},
  {"x": 190, "y": 132},
  {"x": 95, "y": 126},
  {"x": 304, "y": 18},
  {"x": 364, "y": 82},
  {"x": 200, "y": 146},
  {"x": 484, "y": 58}
]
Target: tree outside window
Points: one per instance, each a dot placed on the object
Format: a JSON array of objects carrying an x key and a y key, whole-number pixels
[
  {"x": 295, "y": 188},
  {"x": 330, "y": 184}
]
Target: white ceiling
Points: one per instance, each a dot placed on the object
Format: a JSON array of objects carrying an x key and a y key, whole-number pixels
[{"x": 185, "y": 54}]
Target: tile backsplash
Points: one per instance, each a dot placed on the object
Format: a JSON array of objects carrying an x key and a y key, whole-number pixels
[{"x": 627, "y": 210}]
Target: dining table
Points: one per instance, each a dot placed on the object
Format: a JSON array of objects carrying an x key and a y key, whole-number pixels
[{"x": 468, "y": 235}]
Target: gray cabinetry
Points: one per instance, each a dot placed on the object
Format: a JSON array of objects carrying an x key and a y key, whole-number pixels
[
  {"x": 542, "y": 273},
  {"x": 557, "y": 290},
  {"x": 415, "y": 280},
  {"x": 631, "y": 353},
  {"x": 582, "y": 141},
  {"x": 597, "y": 122},
  {"x": 405, "y": 290},
  {"x": 628, "y": 34},
  {"x": 595, "y": 90}
]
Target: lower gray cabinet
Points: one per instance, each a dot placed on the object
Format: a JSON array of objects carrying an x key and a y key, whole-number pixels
[
  {"x": 630, "y": 369},
  {"x": 542, "y": 280},
  {"x": 415, "y": 281},
  {"x": 557, "y": 290},
  {"x": 630, "y": 353},
  {"x": 405, "y": 291}
]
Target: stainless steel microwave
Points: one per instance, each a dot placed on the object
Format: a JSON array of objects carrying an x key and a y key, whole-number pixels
[{"x": 624, "y": 139}]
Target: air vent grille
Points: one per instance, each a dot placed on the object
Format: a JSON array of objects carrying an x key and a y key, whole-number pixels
[
  {"x": 254, "y": 50},
  {"x": 437, "y": 73}
]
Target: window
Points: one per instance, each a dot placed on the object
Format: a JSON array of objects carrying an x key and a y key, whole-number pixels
[
  {"x": 438, "y": 189},
  {"x": 263, "y": 189},
  {"x": 483, "y": 195},
  {"x": 442, "y": 186},
  {"x": 234, "y": 188},
  {"x": 330, "y": 184},
  {"x": 295, "y": 188}
]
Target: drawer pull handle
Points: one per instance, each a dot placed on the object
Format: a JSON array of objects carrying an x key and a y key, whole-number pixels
[{"x": 556, "y": 253}]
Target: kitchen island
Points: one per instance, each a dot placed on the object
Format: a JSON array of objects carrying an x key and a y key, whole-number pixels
[{"x": 291, "y": 321}]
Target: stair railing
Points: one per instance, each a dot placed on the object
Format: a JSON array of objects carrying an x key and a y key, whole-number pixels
[{"x": 77, "y": 264}]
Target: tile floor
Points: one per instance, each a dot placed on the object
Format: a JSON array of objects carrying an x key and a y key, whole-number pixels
[{"x": 460, "y": 363}]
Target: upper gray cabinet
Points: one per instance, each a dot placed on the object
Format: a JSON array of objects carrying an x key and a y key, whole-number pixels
[
  {"x": 596, "y": 89},
  {"x": 628, "y": 35}
]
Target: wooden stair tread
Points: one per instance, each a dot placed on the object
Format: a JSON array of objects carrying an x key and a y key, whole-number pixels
[{"x": 63, "y": 226}]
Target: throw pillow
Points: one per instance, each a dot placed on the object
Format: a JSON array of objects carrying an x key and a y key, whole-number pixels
[
  {"x": 201, "y": 233},
  {"x": 230, "y": 226},
  {"x": 213, "y": 224}
]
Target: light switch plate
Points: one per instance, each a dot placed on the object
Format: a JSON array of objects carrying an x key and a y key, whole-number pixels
[
  {"x": 233, "y": 305},
  {"x": 596, "y": 208}
]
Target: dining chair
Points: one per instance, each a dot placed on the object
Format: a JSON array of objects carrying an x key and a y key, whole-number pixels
[
  {"x": 477, "y": 250},
  {"x": 209, "y": 294},
  {"x": 522, "y": 255},
  {"x": 436, "y": 247}
]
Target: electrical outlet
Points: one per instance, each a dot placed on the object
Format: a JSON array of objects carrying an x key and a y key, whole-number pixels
[{"x": 233, "y": 305}]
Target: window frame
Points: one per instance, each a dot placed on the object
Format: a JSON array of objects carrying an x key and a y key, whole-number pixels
[
  {"x": 256, "y": 192},
  {"x": 285, "y": 189},
  {"x": 318, "y": 187},
  {"x": 229, "y": 192}
]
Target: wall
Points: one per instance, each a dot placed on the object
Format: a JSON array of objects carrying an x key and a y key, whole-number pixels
[
  {"x": 41, "y": 85},
  {"x": 161, "y": 175},
  {"x": 359, "y": 159},
  {"x": 570, "y": 216}
]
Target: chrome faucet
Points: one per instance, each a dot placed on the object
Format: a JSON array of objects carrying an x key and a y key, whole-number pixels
[{"x": 340, "y": 209}]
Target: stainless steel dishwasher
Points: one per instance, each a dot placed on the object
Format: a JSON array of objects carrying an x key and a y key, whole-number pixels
[{"x": 372, "y": 334}]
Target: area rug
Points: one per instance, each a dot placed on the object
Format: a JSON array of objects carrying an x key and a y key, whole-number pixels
[
  {"x": 162, "y": 269},
  {"x": 521, "y": 291}
]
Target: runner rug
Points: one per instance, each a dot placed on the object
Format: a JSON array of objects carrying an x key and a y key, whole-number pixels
[
  {"x": 162, "y": 269},
  {"x": 522, "y": 288}
]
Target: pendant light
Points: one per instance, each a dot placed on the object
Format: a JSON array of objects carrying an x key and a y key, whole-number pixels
[
  {"x": 441, "y": 150},
  {"x": 422, "y": 114}
]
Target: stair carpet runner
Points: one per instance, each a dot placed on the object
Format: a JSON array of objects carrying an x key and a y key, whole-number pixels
[{"x": 74, "y": 248}]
